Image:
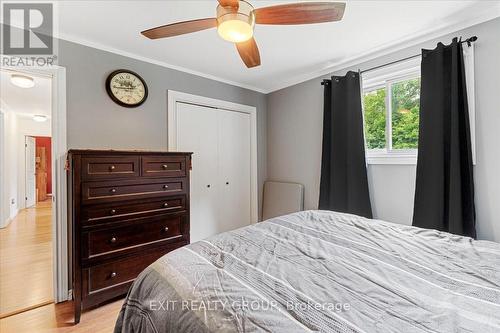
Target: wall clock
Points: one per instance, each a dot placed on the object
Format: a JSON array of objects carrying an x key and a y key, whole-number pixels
[{"x": 126, "y": 88}]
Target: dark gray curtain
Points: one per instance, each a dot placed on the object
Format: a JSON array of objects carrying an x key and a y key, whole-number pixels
[
  {"x": 444, "y": 195},
  {"x": 344, "y": 184}
]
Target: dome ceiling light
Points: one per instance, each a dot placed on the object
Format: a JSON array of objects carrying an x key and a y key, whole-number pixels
[{"x": 22, "y": 81}]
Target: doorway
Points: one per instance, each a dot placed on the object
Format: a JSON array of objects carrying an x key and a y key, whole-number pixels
[
  {"x": 38, "y": 175},
  {"x": 26, "y": 225}
]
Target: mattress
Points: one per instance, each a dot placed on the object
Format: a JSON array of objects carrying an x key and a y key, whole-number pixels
[{"x": 320, "y": 271}]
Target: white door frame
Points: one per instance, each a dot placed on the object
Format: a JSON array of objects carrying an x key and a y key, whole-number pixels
[
  {"x": 59, "y": 195},
  {"x": 176, "y": 96}
]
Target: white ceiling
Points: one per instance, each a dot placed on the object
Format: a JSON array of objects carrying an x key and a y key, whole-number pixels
[
  {"x": 289, "y": 54},
  {"x": 25, "y": 101}
]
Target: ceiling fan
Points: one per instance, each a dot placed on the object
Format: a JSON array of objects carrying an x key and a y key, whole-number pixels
[{"x": 236, "y": 20}]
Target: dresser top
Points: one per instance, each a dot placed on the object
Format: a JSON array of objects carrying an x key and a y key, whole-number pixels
[{"x": 124, "y": 152}]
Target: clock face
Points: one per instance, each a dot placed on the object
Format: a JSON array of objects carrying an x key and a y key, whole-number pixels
[{"x": 126, "y": 88}]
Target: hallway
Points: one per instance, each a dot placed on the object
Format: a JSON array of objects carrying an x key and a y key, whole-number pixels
[{"x": 26, "y": 260}]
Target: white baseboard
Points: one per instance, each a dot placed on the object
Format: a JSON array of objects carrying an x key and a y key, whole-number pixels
[
  {"x": 5, "y": 223},
  {"x": 9, "y": 219}
]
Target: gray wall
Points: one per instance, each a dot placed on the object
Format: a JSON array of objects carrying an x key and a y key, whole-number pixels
[
  {"x": 294, "y": 129},
  {"x": 95, "y": 121}
]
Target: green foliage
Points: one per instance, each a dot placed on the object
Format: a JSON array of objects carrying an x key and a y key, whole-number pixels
[
  {"x": 374, "y": 105},
  {"x": 405, "y": 115}
]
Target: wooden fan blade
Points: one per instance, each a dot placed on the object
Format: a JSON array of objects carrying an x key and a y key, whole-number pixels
[
  {"x": 180, "y": 28},
  {"x": 227, "y": 3},
  {"x": 249, "y": 52},
  {"x": 300, "y": 13}
]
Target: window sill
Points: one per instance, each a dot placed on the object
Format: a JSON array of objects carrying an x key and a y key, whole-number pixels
[{"x": 398, "y": 159}]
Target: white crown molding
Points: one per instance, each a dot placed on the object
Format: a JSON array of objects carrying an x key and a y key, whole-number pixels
[
  {"x": 102, "y": 47},
  {"x": 389, "y": 48}
]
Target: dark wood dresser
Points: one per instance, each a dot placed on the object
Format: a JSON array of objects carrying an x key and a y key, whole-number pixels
[{"x": 126, "y": 209}]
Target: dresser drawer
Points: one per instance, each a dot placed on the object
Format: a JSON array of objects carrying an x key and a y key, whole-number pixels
[
  {"x": 94, "y": 168},
  {"x": 94, "y": 192},
  {"x": 163, "y": 166},
  {"x": 119, "y": 272},
  {"x": 120, "y": 211},
  {"x": 137, "y": 232}
]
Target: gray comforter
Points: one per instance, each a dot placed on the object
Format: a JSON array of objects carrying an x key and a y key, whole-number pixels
[{"x": 320, "y": 271}]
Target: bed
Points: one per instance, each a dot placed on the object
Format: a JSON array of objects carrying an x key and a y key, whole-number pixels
[{"x": 320, "y": 271}]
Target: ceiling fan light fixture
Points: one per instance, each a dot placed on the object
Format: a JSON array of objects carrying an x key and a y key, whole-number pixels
[
  {"x": 236, "y": 24},
  {"x": 235, "y": 31}
]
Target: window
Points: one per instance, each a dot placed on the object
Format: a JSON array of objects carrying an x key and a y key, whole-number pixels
[{"x": 391, "y": 105}]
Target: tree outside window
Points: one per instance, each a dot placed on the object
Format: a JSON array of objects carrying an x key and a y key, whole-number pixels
[{"x": 395, "y": 127}]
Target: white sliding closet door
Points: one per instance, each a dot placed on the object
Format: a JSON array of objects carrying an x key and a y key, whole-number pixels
[
  {"x": 234, "y": 169},
  {"x": 220, "y": 179},
  {"x": 197, "y": 129}
]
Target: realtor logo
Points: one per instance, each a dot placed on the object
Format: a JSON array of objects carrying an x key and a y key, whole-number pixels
[{"x": 28, "y": 29}]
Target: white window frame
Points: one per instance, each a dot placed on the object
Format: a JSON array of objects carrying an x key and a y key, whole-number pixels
[
  {"x": 384, "y": 78},
  {"x": 387, "y": 75}
]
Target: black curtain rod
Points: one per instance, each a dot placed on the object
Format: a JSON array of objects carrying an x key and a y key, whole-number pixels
[{"x": 469, "y": 41}]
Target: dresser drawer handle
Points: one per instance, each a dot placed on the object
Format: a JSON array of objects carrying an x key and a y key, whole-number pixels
[
  {"x": 113, "y": 275},
  {"x": 165, "y": 186},
  {"x": 165, "y": 166},
  {"x": 166, "y": 228},
  {"x": 111, "y": 168},
  {"x": 113, "y": 190},
  {"x": 112, "y": 212},
  {"x": 165, "y": 204},
  {"x": 113, "y": 239}
]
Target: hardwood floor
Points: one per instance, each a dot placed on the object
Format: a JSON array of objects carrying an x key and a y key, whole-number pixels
[
  {"x": 26, "y": 260},
  {"x": 58, "y": 318},
  {"x": 26, "y": 281}
]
